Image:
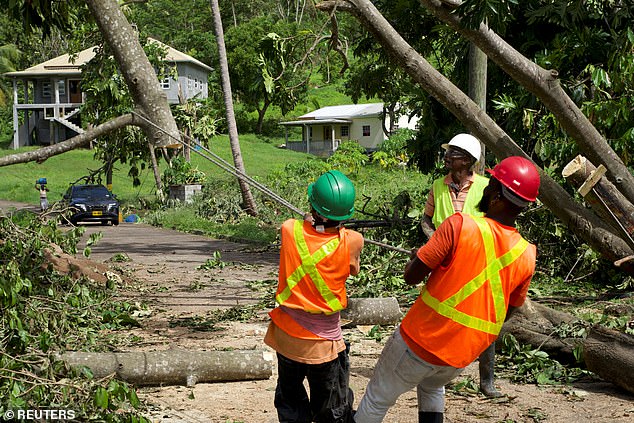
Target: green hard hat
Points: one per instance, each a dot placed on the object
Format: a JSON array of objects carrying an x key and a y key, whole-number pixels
[{"x": 332, "y": 196}]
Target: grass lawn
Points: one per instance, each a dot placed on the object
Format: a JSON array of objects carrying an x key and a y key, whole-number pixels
[{"x": 17, "y": 182}]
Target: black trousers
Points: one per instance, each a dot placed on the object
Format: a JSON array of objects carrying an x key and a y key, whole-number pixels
[{"x": 330, "y": 400}]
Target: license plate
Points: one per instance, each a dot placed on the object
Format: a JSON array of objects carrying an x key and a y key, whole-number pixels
[{"x": 97, "y": 213}]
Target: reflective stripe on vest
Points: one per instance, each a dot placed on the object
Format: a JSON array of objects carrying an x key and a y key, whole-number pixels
[
  {"x": 309, "y": 267},
  {"x": 490, "y": 273}
]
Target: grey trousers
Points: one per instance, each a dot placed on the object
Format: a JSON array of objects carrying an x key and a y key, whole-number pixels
[{"x": 397, "y": 371}]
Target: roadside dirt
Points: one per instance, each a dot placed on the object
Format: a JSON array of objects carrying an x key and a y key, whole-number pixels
[{"x": 170, "y": 272}]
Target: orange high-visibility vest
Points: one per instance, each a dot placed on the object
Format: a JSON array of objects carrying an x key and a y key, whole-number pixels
[
  {"x": 314, "y": 267},
  {"x": 462, "y": 308}
]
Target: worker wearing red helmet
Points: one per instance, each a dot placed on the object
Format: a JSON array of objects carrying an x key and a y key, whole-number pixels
[
  {"x": 461, "y": 191},
  {"x": 316, "y": 257},
  {"x": 479, "y": 272}
]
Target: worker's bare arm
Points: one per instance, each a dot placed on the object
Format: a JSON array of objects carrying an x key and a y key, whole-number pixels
[
  {"x": 415, "y": 271},
  {"x": 427, "y": 226}
]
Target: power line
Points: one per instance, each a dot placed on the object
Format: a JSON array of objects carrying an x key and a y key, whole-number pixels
[{"x": 228, "y": 167}]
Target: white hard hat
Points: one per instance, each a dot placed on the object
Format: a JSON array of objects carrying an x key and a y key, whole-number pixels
[{"x": 467, "y": 142}]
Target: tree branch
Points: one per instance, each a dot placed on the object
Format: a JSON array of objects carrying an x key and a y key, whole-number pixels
[
  {"x": 44, "y": 153},
  {"x": 581, "y": 221},
  {"x": 544, "y": 84}
]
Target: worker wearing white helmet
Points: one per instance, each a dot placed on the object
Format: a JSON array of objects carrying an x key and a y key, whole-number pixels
[{"x": 461, "y": 189}]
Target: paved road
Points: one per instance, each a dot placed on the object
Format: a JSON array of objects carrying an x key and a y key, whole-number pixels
[
  {"x": 147, "y": 244},
  {"x": 8, "y": 206},
  {"x": 167, "y": 264}
]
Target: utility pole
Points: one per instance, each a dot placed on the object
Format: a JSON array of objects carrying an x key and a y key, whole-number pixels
[{"x": 478, "y": 88}]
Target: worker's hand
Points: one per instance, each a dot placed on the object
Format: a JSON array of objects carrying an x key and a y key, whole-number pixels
[
  {"x": 412, "y": 254},
  {"x": 308, "y": 217}
]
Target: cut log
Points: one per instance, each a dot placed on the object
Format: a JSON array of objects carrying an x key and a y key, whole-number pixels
[
  {"x": 175, "y": 367},
  {"x": 371, "y": 311},
  {"x": 610, "y": 355},
  {"x": 604, "y": 198}
]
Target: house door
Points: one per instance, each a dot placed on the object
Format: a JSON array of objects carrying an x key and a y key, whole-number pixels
[
  {"x": 327, "y": 133},
  {"x": 74, "y": 91}
]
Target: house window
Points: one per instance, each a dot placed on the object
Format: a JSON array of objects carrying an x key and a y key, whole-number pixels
[
  {"x": 165, "y": 84},
  {"x": 196, "y": 84},
  {"x": 190, "y": 82},
  {"x": 46, "y": 89},
  {"x": 345, "y": 131},
  {"x": 366, "y": 130},
  {"x": 61, "y": 86}
]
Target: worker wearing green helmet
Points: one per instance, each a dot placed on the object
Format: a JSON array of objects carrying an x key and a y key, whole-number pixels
[
  {"x": 332, "y": 196},
  {"x": 317, "y": 255}
]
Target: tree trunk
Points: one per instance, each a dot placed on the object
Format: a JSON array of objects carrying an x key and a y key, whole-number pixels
[
  {"x": 137, "y": 72},
  {"x": 175, "y": 367},
  {"x": 534, "y": 324},
  {"x": 261, "y": 114},
  {"x": 157, "y": 173},
  {"x": 109, "y": 169},
  {"x": 371, "y": 311},
  {"x": 247, "y": 197},
  {"x": 610, "y": 354},
  {"x": 545, "y": 85},
  {"x": 605, "y": 199},
  {"x": 80, "y": 140},
  {"x": 579, "y": 220}
]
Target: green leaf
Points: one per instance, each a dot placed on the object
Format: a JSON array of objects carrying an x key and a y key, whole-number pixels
[
  {"x": 101, "y": 398},
  {"x": 134, "y": 399}
]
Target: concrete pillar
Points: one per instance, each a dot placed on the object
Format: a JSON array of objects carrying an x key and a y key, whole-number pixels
[
  {"x": 16, "y": 129},
  {"x": 332, "y": 138},
  {"x": 56, "y": 87}
]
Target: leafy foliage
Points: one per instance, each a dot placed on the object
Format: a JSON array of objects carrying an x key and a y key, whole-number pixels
[
  {"x": 182, "y": 172},
  {"x": 393, "y": 152},
  {"x": 45, "y": 313},
  {"x": 527, "y": 365},
  {"x": 349, "y": 157}
]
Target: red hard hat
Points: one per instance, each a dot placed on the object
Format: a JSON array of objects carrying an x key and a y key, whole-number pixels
[{"x": 519, "y": 175}]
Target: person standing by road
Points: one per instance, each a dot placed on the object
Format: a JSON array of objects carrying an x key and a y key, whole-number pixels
[
  {"x": 460, "y": 191},
  {"x": 316, "y": 257},
  {"x": 41, "y": 186},
  {"x": 479, "y": 272}
]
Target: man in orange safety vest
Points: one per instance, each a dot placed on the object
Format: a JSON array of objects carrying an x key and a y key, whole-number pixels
[
  {"x": 461, "y": 191},
  {"x": 479, "y": 272},
  {"x": 316, "y": 257}
]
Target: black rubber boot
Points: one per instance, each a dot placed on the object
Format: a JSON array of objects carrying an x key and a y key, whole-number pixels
[
  {"x": 487, "y": 374},
  {"x": 429, "y": 417}
]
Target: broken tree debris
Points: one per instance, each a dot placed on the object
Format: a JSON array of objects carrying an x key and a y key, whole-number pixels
[
  {"x": 607, "y": 353},
  {"x": 602, "y": 195},
  {"x": 535, "y": 324},
  {"x": 176, "y": 367}
]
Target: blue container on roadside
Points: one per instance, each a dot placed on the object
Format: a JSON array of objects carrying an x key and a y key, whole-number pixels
[{"x": 41, "y": 181}]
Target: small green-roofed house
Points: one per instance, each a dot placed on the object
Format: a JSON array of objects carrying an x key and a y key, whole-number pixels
[{"x": 324, "y": 129}]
